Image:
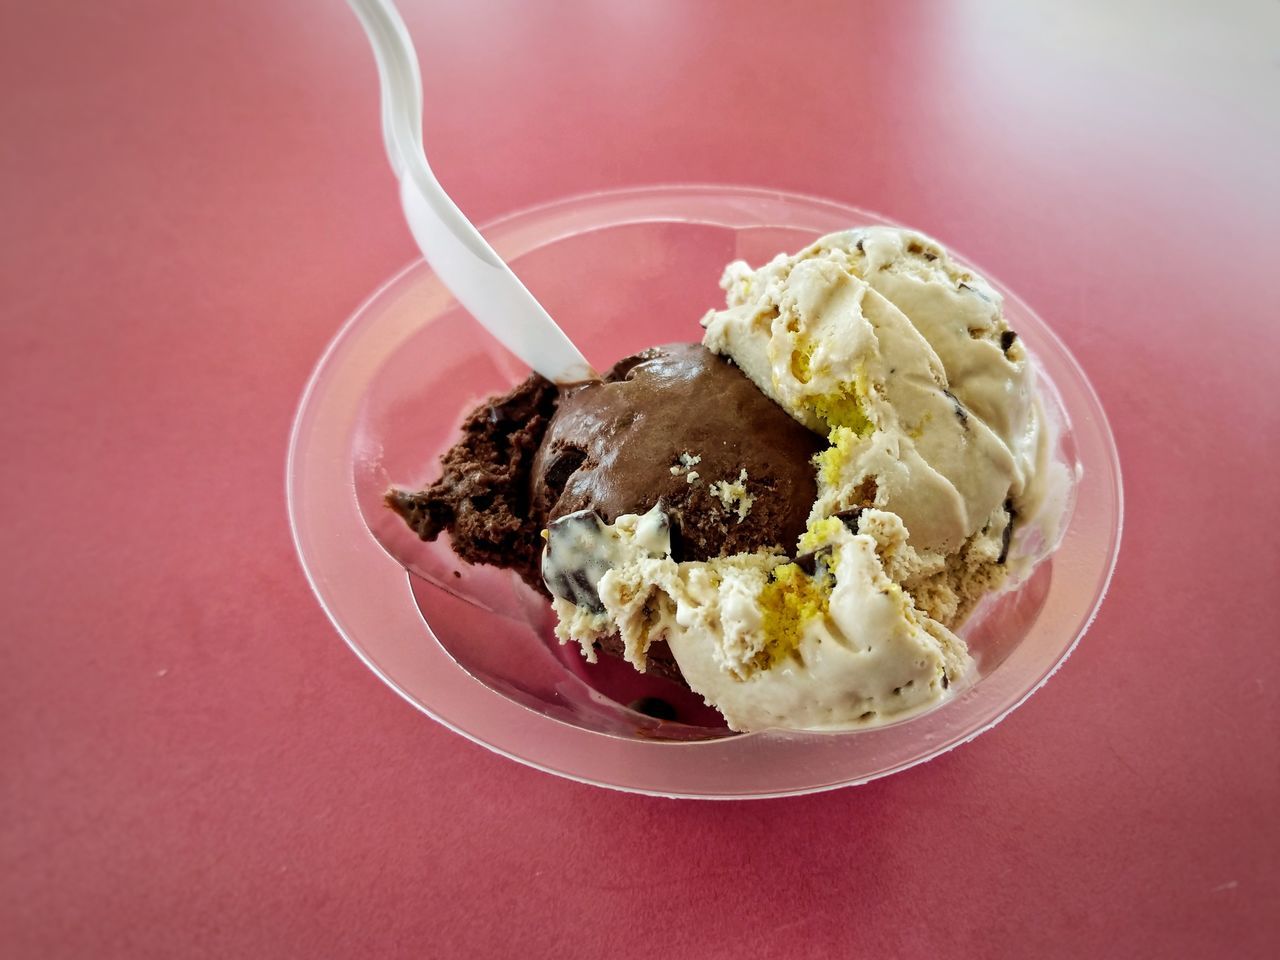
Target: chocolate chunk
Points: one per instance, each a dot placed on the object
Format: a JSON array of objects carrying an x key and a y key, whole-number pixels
[
  {"x": 680, "y": 551},
  {"x": 961, "y": 413},
  {"x": 975, "y": 291},
  {"x": 1007, "y": 536},
  {"x": 815, "y": 563},
  {"x": 1006, "y": 339},
  {"x": 850, "y": 517},
  {"x": 580, "y": 550}
]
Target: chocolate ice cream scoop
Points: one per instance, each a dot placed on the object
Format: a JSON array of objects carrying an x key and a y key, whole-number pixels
[
  {"x": 682, "y": 426},
  {"x": 482, "y": 495}
]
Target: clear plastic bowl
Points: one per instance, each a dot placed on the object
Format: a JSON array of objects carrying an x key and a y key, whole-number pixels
[{"x": 472, "y": 646}]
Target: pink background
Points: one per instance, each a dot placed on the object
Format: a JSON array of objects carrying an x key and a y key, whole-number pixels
[{"x": 194, "y": 197}]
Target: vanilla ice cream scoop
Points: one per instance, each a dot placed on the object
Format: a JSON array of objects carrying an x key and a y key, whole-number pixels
[{"x": 875, "y": 339}]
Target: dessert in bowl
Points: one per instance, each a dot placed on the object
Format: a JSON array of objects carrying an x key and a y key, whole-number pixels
[{"x": 860, "y": 588}]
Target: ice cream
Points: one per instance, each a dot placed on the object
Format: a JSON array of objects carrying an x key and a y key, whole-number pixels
[
  {"x": 876, "y": 339},
  {"x": 794, "y": 516},
  {"x": 482, "y": 497},
  {"x": 573, "y": 461},
  {"x": 667, "y": 426}
]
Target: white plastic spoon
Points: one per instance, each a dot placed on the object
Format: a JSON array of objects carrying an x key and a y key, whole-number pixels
[{"x": 460, "y": 256}]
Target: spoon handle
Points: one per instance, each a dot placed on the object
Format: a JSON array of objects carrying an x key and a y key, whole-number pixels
[{"x": 460, "y": 256}]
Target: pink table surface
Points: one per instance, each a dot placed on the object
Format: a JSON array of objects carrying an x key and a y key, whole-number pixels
[{"x": 195, "y": 197}]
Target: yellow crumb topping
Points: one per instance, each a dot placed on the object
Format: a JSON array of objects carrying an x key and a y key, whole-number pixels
[
  {"x": 844, "y": 413},
  {"x": 843, "y": 443},
  {"x": 843, "y": 408},
  {"x": 819, "y": 533},
  {"x": 789, "y": 601}
]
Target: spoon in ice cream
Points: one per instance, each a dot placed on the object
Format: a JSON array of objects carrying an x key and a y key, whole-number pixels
[{"x": 454, "y": 248}]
